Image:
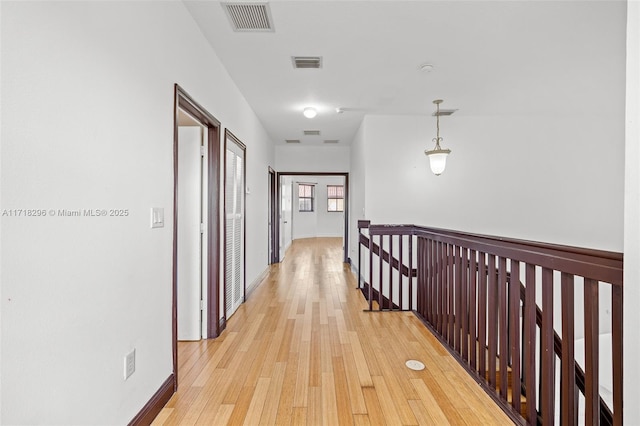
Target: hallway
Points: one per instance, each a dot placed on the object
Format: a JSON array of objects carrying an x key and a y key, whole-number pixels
[{"x": 302, "y": 351}]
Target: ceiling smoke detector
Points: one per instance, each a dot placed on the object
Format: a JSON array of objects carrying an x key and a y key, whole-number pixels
[
  {"x": 426, "y": 67},
  {"x": 249, "y": 17}
]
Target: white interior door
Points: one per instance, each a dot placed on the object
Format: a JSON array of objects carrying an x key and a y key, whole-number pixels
[
  {"x": 189, "y": 232},
  {"x": 234, "y": 227},
  {"x": 286, "y": 200}
]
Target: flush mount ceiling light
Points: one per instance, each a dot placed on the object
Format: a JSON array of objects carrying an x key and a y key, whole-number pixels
[
  {"x": 310, "y": 112},
  {"x": 438, "y": 156}
]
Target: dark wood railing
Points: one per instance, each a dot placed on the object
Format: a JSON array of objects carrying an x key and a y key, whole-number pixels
[{"x": 478, "y": 295}]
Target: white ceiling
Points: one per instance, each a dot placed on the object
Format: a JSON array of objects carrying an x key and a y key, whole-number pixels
[{"x": 490, "y": 58}]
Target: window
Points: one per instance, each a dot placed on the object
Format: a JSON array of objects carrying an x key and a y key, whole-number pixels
[
  {"x": 335, "y": 198},
  {"x": 305, "y": 197}
]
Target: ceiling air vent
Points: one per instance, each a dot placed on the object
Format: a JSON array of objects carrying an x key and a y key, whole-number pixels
[
  {"x": 444, "y": 112},
  {"x": 292, "y": 140},
  {"x": 249, "y": 17},
  {"x": 307, "y": 61},
  {"x": 312, "y": 132},
  {"x": 331, "y": 141}
]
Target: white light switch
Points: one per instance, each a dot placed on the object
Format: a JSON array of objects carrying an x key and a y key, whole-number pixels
[{"x": 157, "y": 217}]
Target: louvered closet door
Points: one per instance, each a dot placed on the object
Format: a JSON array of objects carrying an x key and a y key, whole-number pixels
[{"x": 234, "y": 227}]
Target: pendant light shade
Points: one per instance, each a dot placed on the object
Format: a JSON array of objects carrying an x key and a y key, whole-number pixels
[
  {"x": 438, "y": 160},
  {"x": 437, "y": 156}
]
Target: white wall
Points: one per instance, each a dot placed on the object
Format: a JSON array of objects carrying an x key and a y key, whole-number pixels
[
  {"x": 319, "y": 222},
  {"x": 631, "y": 313},
  {"x": 544, "y": 178},
  {"x": 90, "y": 126},
  {"x": 301, "y": 158},
  {"x": 357, "y": 189}
]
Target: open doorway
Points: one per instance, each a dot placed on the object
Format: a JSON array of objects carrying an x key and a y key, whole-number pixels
[
  {"x": 196, "y": 169},
  {"x": 191, "y": 242},
  {"x": 308, "y": 203}
]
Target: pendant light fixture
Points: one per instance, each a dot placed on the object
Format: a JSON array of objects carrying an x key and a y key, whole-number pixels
[{"x": 438, "y": 156}]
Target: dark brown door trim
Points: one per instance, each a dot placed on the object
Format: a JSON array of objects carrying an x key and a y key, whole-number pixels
[
  {"x": 183, "y": 101},
  {"x": 273, "y": 217},
  {"x": 345, "y": 241}
]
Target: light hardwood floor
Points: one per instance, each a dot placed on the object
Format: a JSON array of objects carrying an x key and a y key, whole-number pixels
[{"x": 302, "y": 351}]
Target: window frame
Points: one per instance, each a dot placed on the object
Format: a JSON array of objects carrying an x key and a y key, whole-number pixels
[
  {"x": 329, "y": 198},
  {"x": 311, "y": 197}
]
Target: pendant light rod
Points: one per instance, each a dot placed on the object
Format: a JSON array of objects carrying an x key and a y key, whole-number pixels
[{"x": 437, "y": 139}]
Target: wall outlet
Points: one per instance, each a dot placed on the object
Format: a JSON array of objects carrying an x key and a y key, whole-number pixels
[{"x": 129, "y": 364}]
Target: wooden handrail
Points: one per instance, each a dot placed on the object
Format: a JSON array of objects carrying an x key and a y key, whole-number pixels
[{"x": 598, "y": 264}]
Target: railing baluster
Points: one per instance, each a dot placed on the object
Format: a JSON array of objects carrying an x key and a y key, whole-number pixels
[
  {"x": 464, "y": 310},
  {"x": 503, "y": 334},
  {"x": 482, "y": 316},
  {"x": 492, "y": 326},
  {"x": 380, "y": 271},
  {"x": 530, "y": 344},
  {"x": 390, "y": 297},
  {"x": 370, "y": 271},
  {"x": 514, "y": 296},
  {"x": 591, "y": 350},
  {"x": 457, "y": 328},
  {"x": 434, "y": 284},
  {"x": 444, "y": 303},
  {"x": 442, "y": 324},
  {"x": 400, "y": 265},
  {"x": 410, "y": 281},
  {"x": 473, "y": 342},
  {"x": 568, "y": 384},
  {"x": 423, "y": 270},
  {"x": 616, "y": 342},
  {"x": 451, "y": 292},
  {"x": 548, "y": 356}
]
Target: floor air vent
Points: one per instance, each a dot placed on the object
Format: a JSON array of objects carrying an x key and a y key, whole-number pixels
[{"x": 249, "y": 17}]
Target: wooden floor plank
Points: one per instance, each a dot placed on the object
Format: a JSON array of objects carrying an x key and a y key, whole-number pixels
[
  {"x": 272, "y": 401},
  {"x": 301, "y": 350}
]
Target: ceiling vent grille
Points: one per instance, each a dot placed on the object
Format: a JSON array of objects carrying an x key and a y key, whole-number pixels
[
  {"x": 331, "y": 141},
  {"x": 249, "y": 17},
  {"x": 312, "y": 132},
  {"x": 307, "y": 62},
  {"x": 292, "y": 140},
  {"x": 444, "y": 112}
]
